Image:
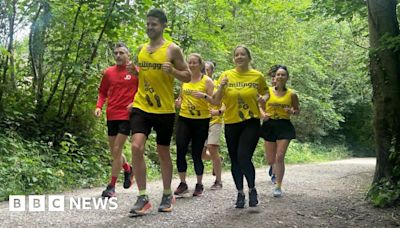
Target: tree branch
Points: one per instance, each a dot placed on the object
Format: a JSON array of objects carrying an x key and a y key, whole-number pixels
[{"x": 89, "y": 63}]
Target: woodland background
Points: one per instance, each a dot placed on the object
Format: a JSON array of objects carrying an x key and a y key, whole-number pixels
[{"x": 52, "y": 54}]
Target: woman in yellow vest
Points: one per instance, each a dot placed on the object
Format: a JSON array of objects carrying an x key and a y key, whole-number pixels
[
  {"x": 271, "y": 73},
  {"x": 192, "y": 124},
  {"x": 240, "y": 90},
  {"x": 277, "y": 130}
]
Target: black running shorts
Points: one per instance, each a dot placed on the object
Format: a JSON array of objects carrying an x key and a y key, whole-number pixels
[
  {"x": 118, "y": 127},
  {"x": 163, "y": 124},
  {"x": 272, "y": 130}
]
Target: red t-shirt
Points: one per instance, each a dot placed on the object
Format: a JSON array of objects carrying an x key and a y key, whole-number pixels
[{"x": 118, "y": 87}]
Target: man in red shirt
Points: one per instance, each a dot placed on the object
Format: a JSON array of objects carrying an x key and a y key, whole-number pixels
[{"x": 118, "y": 87}]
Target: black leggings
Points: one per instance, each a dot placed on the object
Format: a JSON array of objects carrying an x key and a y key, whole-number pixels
[
  {"x": 241, "y": 139},
  {"x": 195, "y": 130}
]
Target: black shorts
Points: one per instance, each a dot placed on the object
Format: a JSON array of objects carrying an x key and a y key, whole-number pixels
[
  {"x": 272, "y": 130},
  {"x": 163, "y": 124},
  {"x": 118, "y": 127}
]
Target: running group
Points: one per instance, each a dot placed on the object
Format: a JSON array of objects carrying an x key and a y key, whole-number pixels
[{"x": 140, "y": 98}]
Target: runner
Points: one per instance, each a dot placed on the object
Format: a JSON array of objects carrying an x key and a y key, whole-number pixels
[
  {"x": 240, "y": 89},
  {"x": 118, "y": 88},
  {"x": 160, "y": 61},
  {"x": 277, "y": 130},
  {"x": 211, "y": 146},
  {"x": 193, "y": 123},
  {"x": 270, "y": 171}
]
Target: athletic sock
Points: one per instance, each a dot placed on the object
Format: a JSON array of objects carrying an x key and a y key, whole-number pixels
[
  {"x": 142, "y": 192},
  {"x": 126, "y": 167},
  {"x": 113, "y": 181},
  {"x": 167, "y": 192},
  {"x": 278, "y": 185}
]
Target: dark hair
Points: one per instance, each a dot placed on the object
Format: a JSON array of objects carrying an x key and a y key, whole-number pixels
[
  {"x": 245, "y": 48},
  {"x": 212, "y": 65},
  {"x": 120, "y": 44},
  {"x": 158, "y": 13},
  {"x": 272, "y": 70},
  {"x": 282, "y": 67}
]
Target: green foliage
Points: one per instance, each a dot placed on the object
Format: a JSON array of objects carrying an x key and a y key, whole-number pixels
[
  {"x": 37, "y": 167},
  {"x": 384, "y": 193},
  {"x": 340, "y": 9}
]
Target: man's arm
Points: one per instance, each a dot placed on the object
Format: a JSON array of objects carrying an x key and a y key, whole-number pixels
[{"x": 177, "y": 65}]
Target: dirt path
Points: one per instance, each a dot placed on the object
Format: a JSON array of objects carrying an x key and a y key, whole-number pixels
[{"x": 315, "y": 195}]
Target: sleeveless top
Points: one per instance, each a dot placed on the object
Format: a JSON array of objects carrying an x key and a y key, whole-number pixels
[
  {"x": 156, "y": 88},
  {"x": 276, "y": 105},
  {"x": 192, "y": 107}
]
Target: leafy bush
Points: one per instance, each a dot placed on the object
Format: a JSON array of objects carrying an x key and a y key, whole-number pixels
[
  {"x": 31, "y": 167},
  {"x": 384, "y": 193}
]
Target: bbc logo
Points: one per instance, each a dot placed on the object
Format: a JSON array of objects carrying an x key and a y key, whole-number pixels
[
  {"x": 57, "y": 203},
  {"x": 36, "y": 203}
]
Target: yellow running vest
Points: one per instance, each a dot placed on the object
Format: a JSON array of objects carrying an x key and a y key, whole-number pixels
[
  {"x": 192, "y": 107},
  {"x": 156, "y": 88},
  {"x": 241, "y": 94},
  {"x": 275, "y": 106}
]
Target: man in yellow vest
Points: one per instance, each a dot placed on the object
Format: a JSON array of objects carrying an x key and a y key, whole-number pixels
[{"x": 159, "y": 61}]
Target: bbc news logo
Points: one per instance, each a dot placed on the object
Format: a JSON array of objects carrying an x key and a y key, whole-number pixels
[{"x": 58, "y": 203}]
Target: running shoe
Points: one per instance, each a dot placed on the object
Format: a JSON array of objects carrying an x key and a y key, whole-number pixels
[
  {"x": 109, "y": 192},
  {"x": 277, "y": 192},
  {"x": 181, "y": 189},
  {"x": 198, "y": 190},
  {"x": 216, "y": 186},
  {"x": 166, "y": 203},
  {"x": 240, "y": 200},
  {"x": 253, "y": 201},
  {"x": 128, "y": 178},
  {"x": 142, "y": 205}
]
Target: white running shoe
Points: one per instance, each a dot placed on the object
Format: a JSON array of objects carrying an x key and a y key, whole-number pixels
[{"x": 277, "y": 192}]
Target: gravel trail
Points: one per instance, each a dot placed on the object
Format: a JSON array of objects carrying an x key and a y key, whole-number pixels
[{"x": 327, "y": 194}]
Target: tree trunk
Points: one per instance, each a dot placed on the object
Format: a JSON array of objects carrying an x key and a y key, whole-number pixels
[
  {"x": 31, "y": 52},
  {"x": 11, "y": 43},
  {"x": 8, "y": 63},
  {"x": 60, "y": 106},
  {"x": 385, "y": 76},
  {"x": 65, "y": 59},
  {"x": 36, "y": 58}
]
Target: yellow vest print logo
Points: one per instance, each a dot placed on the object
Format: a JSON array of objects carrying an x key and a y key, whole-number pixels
[
  {"x": 147, "y": 66},
  {"x": 151, "y": 93}
]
